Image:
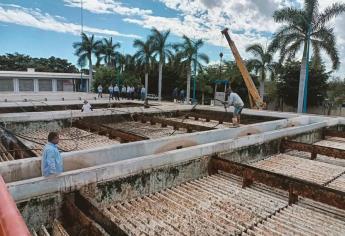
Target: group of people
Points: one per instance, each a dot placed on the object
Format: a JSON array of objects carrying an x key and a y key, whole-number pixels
[
  {"x": 125, "y": 92},
  {"x": 179, "y": 95}
]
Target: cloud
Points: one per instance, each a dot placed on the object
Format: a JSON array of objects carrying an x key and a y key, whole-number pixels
[
  {"x": 206, "y": 18},
  {"x": 249, "y": 21},
  {"x": 36, "y": 19},
  {"x": 107, "y": 7}
]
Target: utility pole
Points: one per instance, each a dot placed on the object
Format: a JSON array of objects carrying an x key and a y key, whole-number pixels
[
  {"x": 81, "y": 32},
  {"x": 194, "y": 84},
  {"x": 305, "y": 98}
]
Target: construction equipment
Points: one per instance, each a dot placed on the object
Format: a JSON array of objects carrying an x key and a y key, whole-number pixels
[{"x": 254, "y": 96}]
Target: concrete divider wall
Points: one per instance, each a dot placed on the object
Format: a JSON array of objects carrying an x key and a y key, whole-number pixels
[
  {"x": 26, "y": 169},
  {"x": 72, "y": 180}
]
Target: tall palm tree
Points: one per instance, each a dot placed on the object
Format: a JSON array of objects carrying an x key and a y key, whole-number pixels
[
  {"x": 161, "y": 49},
  {"x": 107, "y": 52},
  {"x": 144, "y": 56},
  {"x": 85, "y": 50},
  {"x": 190, "y": 55},
  {"x": 261, "y": 64},
  {"x": 300, "y": 25}
]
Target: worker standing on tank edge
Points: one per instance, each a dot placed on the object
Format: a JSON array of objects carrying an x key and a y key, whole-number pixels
[
  {"x": 235, "y": 100},
  {"x": 86, "y": 107},
  {"x": 52, "y": 163}
]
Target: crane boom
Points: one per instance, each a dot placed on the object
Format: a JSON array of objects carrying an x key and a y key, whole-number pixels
[{"x": 254, "y": 96}]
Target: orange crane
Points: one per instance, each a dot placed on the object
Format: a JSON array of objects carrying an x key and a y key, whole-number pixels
[{"x": 254, "y": 96}]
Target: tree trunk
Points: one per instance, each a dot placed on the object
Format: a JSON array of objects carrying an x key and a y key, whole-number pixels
[
  {"x": 302, "y": 76},
  {"x": 146, "y": 83},
  {"x": 262, "y": 88},
  {"x": 203, "y": 98},
  {"x": 188, "y": 84},
  {"x": 160, "y": 81},
  {"x": 262, "y": 83},
  {"x": 90, "y": 77}
]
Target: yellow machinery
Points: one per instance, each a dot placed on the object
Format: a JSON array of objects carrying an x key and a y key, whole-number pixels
[{"x": 254, "y": 96}]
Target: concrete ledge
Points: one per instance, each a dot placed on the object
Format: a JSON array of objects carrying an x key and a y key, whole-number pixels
[
  {"x": 73, "y": 180},
  {"x": 30, "y": 168}
]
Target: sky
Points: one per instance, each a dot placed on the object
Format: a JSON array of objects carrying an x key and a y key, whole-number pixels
[{"x": 44, "y": 28}]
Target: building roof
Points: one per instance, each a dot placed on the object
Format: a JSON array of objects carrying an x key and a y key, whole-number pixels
[{"x": 34, "y": 74}]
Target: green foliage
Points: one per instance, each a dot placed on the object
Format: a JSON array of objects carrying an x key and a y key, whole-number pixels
[
  {"x": 336, "y": 91},
  {"x": 86, "y": 48},
  {"x": 262, "y": 63},
  {"x": 106, "y": 52},
  {"x": 292, "y": 36},
  {"x": 271, "y": 91},
  {"x": 104, "y": 76},
  {"x": 288, "y": 82},
  {"x": 20, "y": 62},
  {"x": 130, "y": 79},
  {"x": 188, "y": 53}
]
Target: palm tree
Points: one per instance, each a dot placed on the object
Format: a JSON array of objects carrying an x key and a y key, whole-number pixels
[
  {"x": 161, "y": 49},
  {"x": 107, "y": 52},
  {"x": 144, "y": 56},
  {"x": 84, "y": 50},
  {"x": 302, "y": 25},
  {"x": 189, "y": 52},
  {"x": 261, "y": 64}
]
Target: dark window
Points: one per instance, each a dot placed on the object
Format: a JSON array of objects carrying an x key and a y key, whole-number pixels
[
  {"x": 6, "y": 85},
  {"x": 45, "y": 85},
  {"x": 26, "y": 85}
]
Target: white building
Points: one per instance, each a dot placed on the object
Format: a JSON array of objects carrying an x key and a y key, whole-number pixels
[{"x": 32, "y": 81}]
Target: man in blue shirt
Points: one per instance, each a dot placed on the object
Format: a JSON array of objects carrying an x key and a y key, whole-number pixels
[
  {"x": 51, "y": 163},
  {"x": 235, "y": 100}
]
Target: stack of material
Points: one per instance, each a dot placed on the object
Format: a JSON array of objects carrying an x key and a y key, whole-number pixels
[
  {"x": 338, "y": 183},
  {"x": 203, "y": 122},
  {"x": 214, "y": 205},
  {"x": 4, "y": 154},
  {"x": 302, "y": 219},
  {"x": 148, "y": 130},
  {"x": 310, "y": 170},
  {"x": 71, "y": 139}
]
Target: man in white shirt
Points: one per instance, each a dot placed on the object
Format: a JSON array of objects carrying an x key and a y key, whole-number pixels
[
  {"x": 143, "y": 93},
  {"x": 235, "y": 100},
  {"x": 86, "y": 107},
  {"x": 116, "y": 92},
  {"x": 128, "y": 92},
  {"x": 111, "y": 92}
]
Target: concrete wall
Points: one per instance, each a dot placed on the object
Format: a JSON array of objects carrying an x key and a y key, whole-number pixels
[
  {"x": 23, "y": 169},
  {"x": 75, "y": 179},
  {"x": 146, "y": 182},
  {"x": 41, "y": 210}
]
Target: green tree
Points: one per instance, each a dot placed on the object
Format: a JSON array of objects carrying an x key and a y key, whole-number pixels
[
  {"x": 144, "y": 57},
  {"x": 161, "y": 49},
  {"x": 20, "y": 62},
  {"x": 300, "y": 25},
  {"x": 261, "y": 64},
  {"x": 105, "y": 76},
  {"x": 190, "y": 56},
  {"x": 85, "y": 50},
  {"x": 288, "y": 82},
  {"x": 205, "y": 84},
  {"x": 336, "y": 93},
  {"x": 107, "y": 52}
]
